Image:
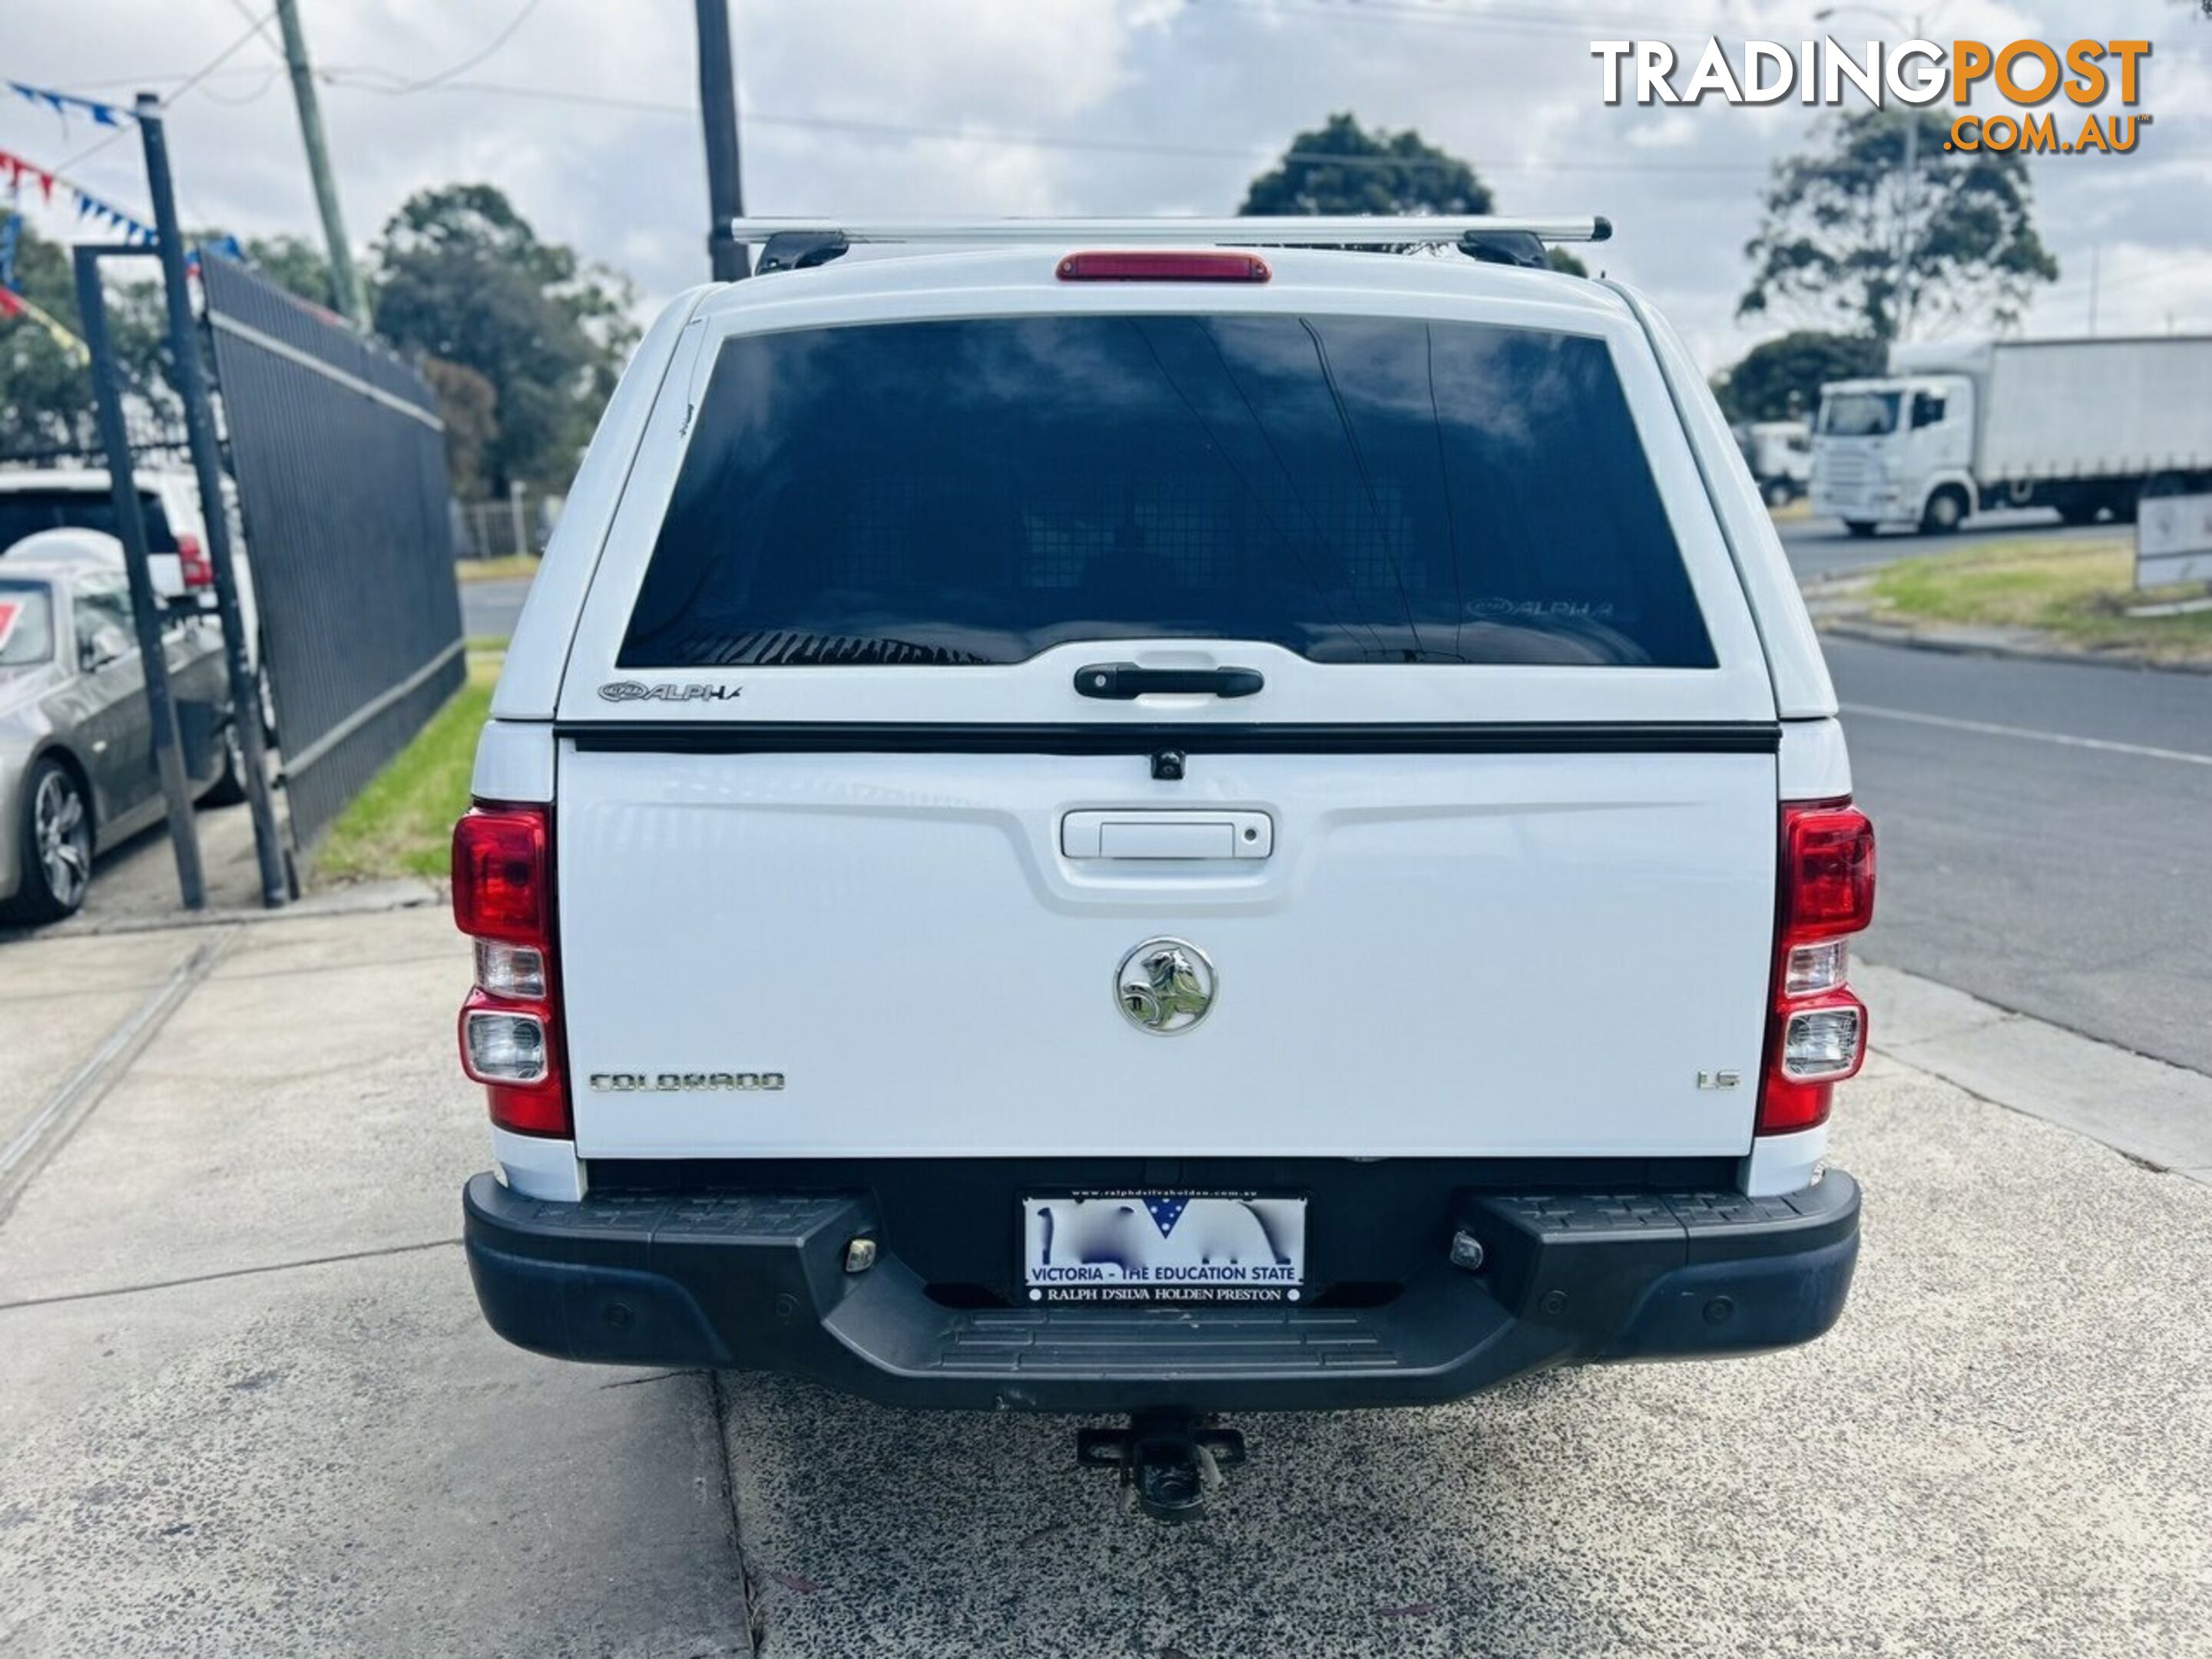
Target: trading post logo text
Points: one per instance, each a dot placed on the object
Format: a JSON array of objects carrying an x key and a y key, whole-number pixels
[{"x": 2029, "y": 74}]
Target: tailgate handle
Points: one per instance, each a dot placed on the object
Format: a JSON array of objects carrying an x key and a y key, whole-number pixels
[
  {"x": 1135, "y": 833},
  {"x": 1120, "y": 681}
]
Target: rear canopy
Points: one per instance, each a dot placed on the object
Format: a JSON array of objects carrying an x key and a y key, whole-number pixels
[{"x": 1401, "y": 490}]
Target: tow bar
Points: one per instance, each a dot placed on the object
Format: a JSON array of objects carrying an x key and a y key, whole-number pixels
[{"x": 1170, "y": 1461}]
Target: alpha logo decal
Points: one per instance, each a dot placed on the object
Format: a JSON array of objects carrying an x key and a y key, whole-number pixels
[{"x": 684, "y": 691}]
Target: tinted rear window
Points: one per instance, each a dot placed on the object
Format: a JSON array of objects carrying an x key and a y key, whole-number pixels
[
  {"x": 1359, "y": 490},
  {"x": 26, "y": 512}
]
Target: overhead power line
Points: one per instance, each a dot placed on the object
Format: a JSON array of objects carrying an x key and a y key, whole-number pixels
[{"x": 445, "y": 75}]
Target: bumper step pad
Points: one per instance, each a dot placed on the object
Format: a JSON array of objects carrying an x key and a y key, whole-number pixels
[{"x": 757, "y": 1280}]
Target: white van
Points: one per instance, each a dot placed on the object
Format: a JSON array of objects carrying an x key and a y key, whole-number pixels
[{"x": 1126, "y": 821}]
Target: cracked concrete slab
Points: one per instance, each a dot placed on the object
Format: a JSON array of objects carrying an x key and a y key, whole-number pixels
[
  {"x": 342, "y": 1459},
  {"x": 303, "y": 1103}
]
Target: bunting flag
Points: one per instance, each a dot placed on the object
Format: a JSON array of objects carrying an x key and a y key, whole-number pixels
[
  {"x": 229, "y": 246},
  {"x": 15, "y": 169},
  {"x": 10, "y": 233},
  {"x": 89, "y": 206},
  {"x": 14, "y": 305},
  {"x": 105, "y": 115}
]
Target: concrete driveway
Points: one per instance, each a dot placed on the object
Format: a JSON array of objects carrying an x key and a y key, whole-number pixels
[{"x": 246, "y": 1406}]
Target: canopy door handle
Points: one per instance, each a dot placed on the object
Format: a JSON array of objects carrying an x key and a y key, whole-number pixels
[{"x": 1118, "y": 681}]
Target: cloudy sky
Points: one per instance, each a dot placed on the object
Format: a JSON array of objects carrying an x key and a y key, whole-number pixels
[{"x": 584, "y": 111}]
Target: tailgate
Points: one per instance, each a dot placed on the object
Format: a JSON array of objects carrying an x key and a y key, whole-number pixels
[
  {"x": 1294, "y": 721},
  {"x": 1467, "y": 954}
]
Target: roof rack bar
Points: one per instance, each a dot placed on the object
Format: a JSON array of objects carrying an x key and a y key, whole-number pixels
[{"x": 1342, "y": 231}]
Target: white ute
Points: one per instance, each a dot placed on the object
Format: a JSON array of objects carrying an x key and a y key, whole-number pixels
[{"x": 1162, "y": 817}]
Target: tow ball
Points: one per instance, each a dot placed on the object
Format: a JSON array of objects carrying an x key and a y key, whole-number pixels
[{"x": 1171, "y": 1460}]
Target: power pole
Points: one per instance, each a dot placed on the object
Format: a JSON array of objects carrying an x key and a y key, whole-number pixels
[
  {"x": 345, "y": 281},
  {"x": 718, "y": 109}
]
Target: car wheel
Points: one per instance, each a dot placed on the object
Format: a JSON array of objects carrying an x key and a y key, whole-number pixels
[
  {"x": 229, "y": 786},
  {"x": 1778, "y": 493},
  {"x": 55, "y": 841},
  {"x": 265, "y": 693}
]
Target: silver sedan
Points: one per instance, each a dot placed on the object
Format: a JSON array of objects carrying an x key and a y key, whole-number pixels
[{"x": 76, "y": 752}]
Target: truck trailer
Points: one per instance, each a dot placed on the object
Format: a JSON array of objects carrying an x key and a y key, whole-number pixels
[{"x": 2085, "y": 426}]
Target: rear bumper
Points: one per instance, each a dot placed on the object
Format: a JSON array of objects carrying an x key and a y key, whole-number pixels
[{"x": 756, "y": 1281}]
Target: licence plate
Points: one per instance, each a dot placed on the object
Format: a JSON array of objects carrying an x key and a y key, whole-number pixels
[{"x": 1164, "y": 1246}]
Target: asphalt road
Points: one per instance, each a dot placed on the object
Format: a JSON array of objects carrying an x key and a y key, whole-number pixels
[
  {"x": 1822, "y": 547},
  {"x": 488, "y": 609},
  {"x": 2046, "y": 834}
]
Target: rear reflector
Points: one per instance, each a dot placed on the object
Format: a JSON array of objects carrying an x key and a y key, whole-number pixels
[{"x": 1163, "y": 268}]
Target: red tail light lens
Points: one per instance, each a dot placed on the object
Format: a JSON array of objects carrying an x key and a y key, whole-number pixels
[
  {"x": 1163, "y": 268},
  {"x": 510, "y": 1026},
  {"x": 501, "y": 872},
  {"x": 193, "y": 565},
  {"x": 1827, "y": 870},
  {"x": 1817, "y": 1027}
]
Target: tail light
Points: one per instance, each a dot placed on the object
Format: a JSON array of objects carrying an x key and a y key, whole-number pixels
[
  {"x": 511, "y": 1024},
  {"x": 193, "y": 565},
  {"x": 1163, "y": 268},
  {"x": 1817, "y": 1028}
]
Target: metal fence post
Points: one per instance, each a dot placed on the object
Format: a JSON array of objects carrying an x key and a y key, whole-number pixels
[
  {"x": 215, "y": 508},
  {"x": 145, "y": 604}
]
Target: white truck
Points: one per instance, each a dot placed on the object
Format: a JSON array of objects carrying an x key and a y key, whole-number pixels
[
  {"x": 2085, "y": 426},
  {"x": 1780, "y": 456},
  {"x": 1093, "y": 816}
]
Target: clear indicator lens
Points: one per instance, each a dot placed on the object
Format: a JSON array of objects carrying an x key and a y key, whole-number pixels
[
  {"x": 1822, "y": 1042},
  {"x": 506, "y": 1047},
  {"x": 1811, "y": 967},
  {"x": 510, "y": 970}
]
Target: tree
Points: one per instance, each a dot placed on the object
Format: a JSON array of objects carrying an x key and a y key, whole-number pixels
[
  {"x": 296, "y": 265},
  {"x": 1780, "y": 380},
  {"x": 1340, "y": 168},
  {"x": 470, "y": 406},
  {"x": 46, "y": 386},
  {"x": 1849, "y": 241},
  {"x": 461, "y": 276}
]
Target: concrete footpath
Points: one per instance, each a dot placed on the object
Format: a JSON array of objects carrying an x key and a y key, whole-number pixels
[
  {"x": 247, "y": 1405},
  {"x": 247, "y": 1402}
]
